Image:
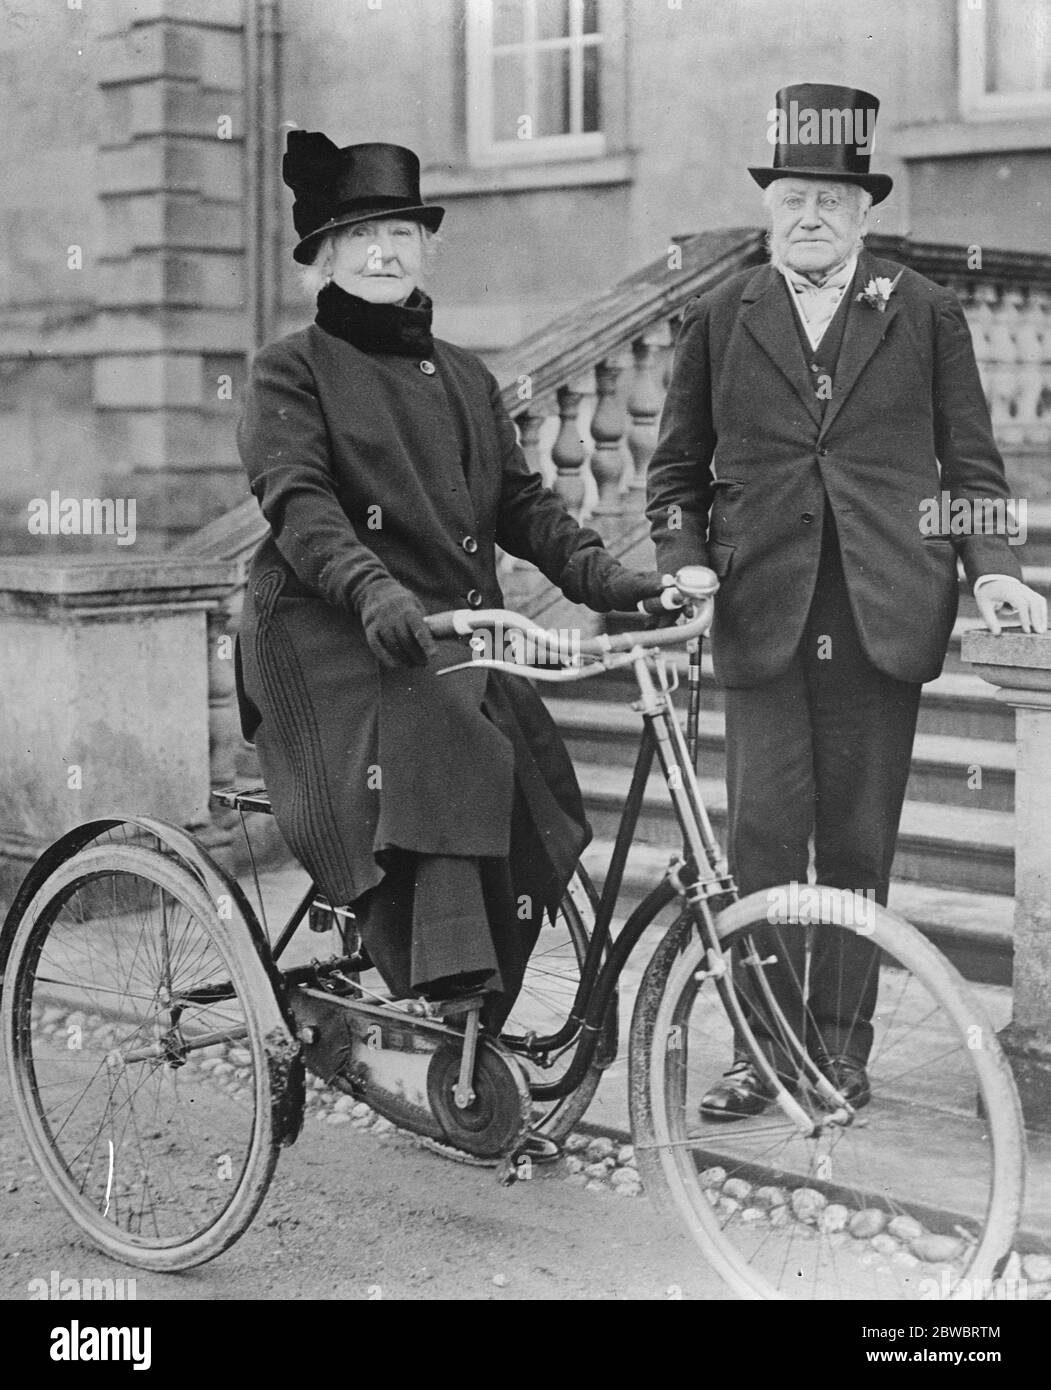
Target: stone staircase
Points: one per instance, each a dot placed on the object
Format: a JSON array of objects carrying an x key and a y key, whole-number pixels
[{"x": 954, "y": 869}]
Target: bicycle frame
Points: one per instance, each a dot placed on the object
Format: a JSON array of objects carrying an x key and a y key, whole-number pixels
[
  {"x": 704, "y": 869},
  {"x": 699, "y": 877}
]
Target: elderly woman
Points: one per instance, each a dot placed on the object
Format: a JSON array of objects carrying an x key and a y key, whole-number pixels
[{"x": 445, "y": 811}]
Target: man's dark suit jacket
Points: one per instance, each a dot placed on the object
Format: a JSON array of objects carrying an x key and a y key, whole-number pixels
[{"x": 745, "y": 463}]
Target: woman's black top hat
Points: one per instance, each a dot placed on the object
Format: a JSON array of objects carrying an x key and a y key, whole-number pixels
[
  {"x": 820, "y": 130},
  {"x": 336, "y": 187}
]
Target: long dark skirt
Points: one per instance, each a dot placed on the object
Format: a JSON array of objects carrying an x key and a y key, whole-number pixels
[{"x": 439, "y": 921}]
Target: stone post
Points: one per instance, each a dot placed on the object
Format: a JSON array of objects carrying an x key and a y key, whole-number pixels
[
  {"x": 104, "y": 696},
  {"x": 1020, "y": 665}
]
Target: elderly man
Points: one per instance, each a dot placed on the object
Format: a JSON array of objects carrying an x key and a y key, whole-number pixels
[{"x": 815, "y": 405}]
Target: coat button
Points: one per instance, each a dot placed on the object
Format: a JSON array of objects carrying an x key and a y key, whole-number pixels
[
  {"x": 427, "y": 368},
  {"x": 474, "y": 598},
  {"x": 808, "y": 517},
  {"x": 469, "y": 544},
  {"x": 822, "y": 452}
]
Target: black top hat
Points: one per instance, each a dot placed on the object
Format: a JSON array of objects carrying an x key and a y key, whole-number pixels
[
  {"x": 336, "y": 187},
  {"x": 824, "y": 131}
]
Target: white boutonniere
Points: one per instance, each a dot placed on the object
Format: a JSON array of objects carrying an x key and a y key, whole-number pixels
[{"x": 878, "y": 291}]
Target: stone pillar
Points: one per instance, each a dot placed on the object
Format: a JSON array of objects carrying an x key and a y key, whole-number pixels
[
  {"x": 171, "y": 326},
  {"x": 1020, "y": 664},
  {"x": 104, "y": 696}
]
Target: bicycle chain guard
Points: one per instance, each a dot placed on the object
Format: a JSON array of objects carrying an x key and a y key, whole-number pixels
[{"x": 406, "y": 1067}]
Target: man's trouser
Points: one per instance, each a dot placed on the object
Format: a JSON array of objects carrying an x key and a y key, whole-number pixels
[{"x": 823, "y": 750}]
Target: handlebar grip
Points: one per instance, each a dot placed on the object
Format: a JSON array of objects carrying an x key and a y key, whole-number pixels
[
  {"x": 443, "y": 624},
  {"x": 669, "y": 600}
]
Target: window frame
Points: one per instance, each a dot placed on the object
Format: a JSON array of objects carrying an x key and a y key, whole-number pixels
[
  {"x": 975, "y": 102},
  {"x": 483, "y": 151}
]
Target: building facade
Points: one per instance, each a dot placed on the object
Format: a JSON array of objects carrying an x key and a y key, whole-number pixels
[{"x": 146, "y": 235}]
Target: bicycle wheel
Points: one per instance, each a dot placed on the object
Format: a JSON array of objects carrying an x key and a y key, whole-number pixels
[
  {"x": 134, "y": 1033},
  {"x": 544, "y": 1004},
  {"x": 916, "y": 1195}
]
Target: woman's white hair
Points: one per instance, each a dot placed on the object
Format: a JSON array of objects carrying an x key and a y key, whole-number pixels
[{"x": 318, "y": 273}]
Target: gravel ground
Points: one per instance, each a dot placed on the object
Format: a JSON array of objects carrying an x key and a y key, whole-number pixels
[
  {"x": 430, "y": 1227},
  {"x": 353, "y": 1214}
]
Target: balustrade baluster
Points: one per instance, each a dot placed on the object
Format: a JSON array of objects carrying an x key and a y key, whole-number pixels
[
  {"x": 567, "y": 452},
  {"x": 1029, "y": 349},
  {"x": 607, "y": 430},
  {"x": 530, "y": 423},
  {"x": 980, "y": 321},
  {"x": 645, "y": 400}
]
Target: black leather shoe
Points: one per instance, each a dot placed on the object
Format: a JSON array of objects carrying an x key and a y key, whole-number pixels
[
  {"x": 849, "y": 1078},
  {"x": 742, "y": 1092}
]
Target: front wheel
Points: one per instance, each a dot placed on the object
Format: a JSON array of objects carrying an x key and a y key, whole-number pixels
[
  {"x": 915, "y": 1194},
  {"x": 135, "y": 1028}
]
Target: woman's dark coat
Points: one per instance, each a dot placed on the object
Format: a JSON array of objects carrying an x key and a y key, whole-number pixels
[{"x": 366, "y": 465}]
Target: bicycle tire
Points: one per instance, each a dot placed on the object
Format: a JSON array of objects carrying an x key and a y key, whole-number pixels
[
  {"x": 685, "y": 1164},
  {"x": 180, "y": 1150}
]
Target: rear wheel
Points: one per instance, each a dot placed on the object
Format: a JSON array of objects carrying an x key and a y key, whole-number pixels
[
  {"x": 544, "y": 1005},
  {"x": 915, "y": 1195},
  {"x": 134, "y": 1030}
]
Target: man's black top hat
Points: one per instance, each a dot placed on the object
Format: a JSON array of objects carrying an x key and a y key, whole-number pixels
[
  {"x": 825, "y": 131},
  {"x": 336, "y": 187}
]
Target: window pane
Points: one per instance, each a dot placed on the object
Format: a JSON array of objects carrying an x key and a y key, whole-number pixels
[
  {"x": 552, "y": 19},
  {"x": 592, "y": 108},
  {"x": 1018, "y": 46},
  {"x": 590, "y": 16},
  {"x": 508, "y": 95},
  {"x": 553, "y": 117},
  {"x": 508, "y": 21}
]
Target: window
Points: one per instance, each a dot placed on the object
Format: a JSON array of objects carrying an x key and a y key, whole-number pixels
[
  {"x": 1005, "y": 57},
  {"x": 533, "y": 80}
]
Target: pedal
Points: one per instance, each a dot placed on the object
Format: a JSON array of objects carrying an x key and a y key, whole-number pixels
[{"x": 456, "y": 1008}]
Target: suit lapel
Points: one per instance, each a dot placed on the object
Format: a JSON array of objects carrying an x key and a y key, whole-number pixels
[
  {"x": 767, "y": 314},
  {"x": 863, "y": 332}
]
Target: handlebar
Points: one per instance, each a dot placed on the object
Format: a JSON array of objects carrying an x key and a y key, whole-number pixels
[{"x": 693, "y": 587}]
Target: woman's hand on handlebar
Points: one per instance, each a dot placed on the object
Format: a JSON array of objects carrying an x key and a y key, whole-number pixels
[{"x": 395, "y": 625}]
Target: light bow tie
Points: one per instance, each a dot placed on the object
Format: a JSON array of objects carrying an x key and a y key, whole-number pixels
[{"x": 834, "y": 285}]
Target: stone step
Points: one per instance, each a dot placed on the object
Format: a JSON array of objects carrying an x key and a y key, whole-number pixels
[
  {"x": 941, "y": 846},
  {"x": 958, "y": 704},
  {"x": 956, "y": 771},
  {"x": 974, "y": 929}
]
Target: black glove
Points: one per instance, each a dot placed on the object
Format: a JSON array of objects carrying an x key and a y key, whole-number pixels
[
  {"x": 626, "y": 588},
  {"x": 594, "y": 578},
  {"x": 394, "y": 625}
]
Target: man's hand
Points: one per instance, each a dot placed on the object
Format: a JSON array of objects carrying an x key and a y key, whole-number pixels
[{"x": 1030, "y": 606}]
